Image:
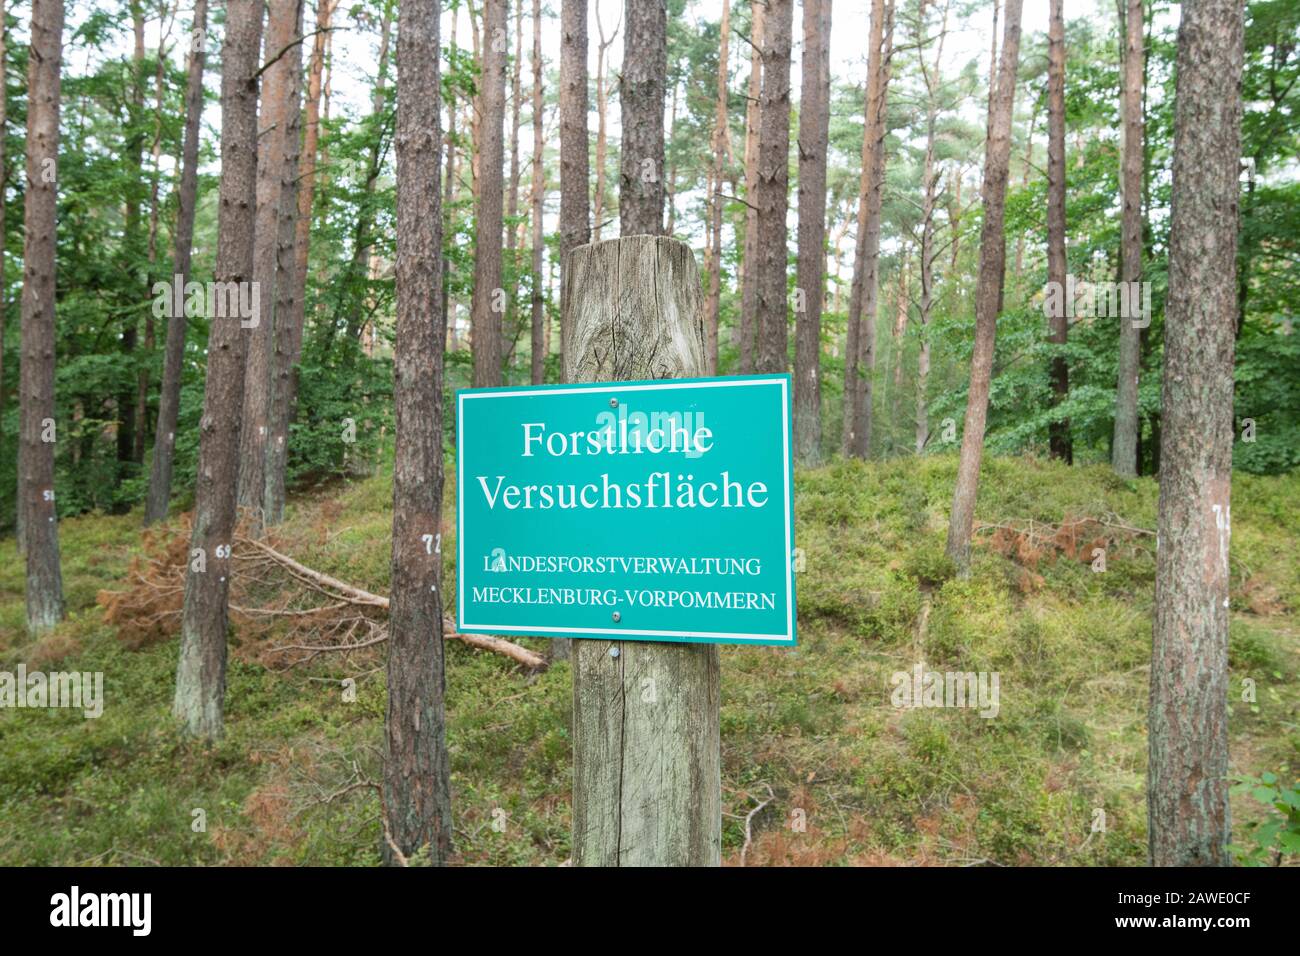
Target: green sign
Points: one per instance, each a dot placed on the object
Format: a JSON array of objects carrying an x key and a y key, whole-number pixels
[{"x": 641, "y": 511}]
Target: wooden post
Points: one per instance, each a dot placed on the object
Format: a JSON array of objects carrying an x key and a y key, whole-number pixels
[{"x": 646, "y": 765}]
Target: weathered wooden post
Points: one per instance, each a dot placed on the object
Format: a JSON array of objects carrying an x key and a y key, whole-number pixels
[{"x": 647, "y": 770}]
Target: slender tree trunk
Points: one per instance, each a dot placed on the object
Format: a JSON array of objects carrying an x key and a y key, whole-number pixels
[
  {"x": 169, "y": 395},
  {"x": 602, "y": 114},
  {"x": 748, "y": 325},
  {"x": 902, "y": 307},
  {"x": 860, "y": 368},
  {"x": 36, "y": 372},
  {"x": 539, "y": 191},
  {"x": 1059, "y": 325},
  {"x": 955, "y": 211},
  {"x": 287, "y": 340},
  {"x": 575, "y": 172},
  {"x": 670, "y": 184},
  {"x": 1124, "y": 456},
  {"x": 417, "y": 773},
  {"x": 449, "y": 192},
  {"x": 155, "y": 173},
  {"x": 201, "y": 671},
  {"x": 132, "y": 247},
  {"x": 721, "y": 151},
  {"x": 930, "y": 177},
  {"x": 993, "y": 255},
  {"x": 772, "y": 190},
  {"x": 289, "y": 322},
  {"x": 814, "y": 126},
  {"x": 1187, "y": 786},
  {"x": 512, "y": 239},
  {"x": 641, "y": 104},
  {"x": 282, "y": 28},
  {"x": 488, "y": 302},
  {"x": 4, "y": 285}
]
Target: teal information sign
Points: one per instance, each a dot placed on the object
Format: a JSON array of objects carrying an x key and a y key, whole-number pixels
[{"x": 643, "y": 511}]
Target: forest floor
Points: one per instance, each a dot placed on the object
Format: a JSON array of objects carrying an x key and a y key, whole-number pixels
[{"x": 808, "y": 734}]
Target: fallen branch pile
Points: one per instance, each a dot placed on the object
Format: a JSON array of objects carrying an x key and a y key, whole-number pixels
[
  {"x": 285, "y": 612},
  {"x": 1027, "y": 542}
]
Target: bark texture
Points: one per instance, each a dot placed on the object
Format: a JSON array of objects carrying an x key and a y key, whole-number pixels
[
  {"x": 988, "y": 292},
  {"x": 417, "y": 773},
  {"x": 860, "y": 349},
  {"x": 279, "y": 80},
  {"x": 1187, "y": 784},
  {"x": 36, "y": 372},
  {"x": 721, "y": 153},
  {"x": 646, "y": 774},
  {"x": 289, "y": 321},
  {"x": 488, "y": 302},
  {"x": 641, "y": 102},
  {"x": 538, "y": 304},
  {"x": 201, "y": 670},
  {"x": 814, "y": 128},
  {"x": 1124, "y": 447},
  {"x": 575, "y": 172},
  {"x": 748, "y": 324},
  {"x": 771, "y": 191}
]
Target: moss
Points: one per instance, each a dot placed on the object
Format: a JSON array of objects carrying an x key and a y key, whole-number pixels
[{"x": 811, "y": 728}]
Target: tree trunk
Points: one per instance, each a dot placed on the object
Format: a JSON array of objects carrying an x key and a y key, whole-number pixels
[
  {"x": 646, "y": 775},
  {"x": 1187, "y": 787},
  {"x": 511, "y": 318},
  {"x": 4, "y": 177},
  {"x": 538, "y": 350},
  {"x": 1124, "y": 446},
  {"x": 449, "y": 194},
  {"x": 575, "y": 174},
  {"x": 131, "y": 246},
  {"x": 930, "y": 177},
  {"x": 1059, "y": 442},
  {"x": 771, "y": 190},
  {"x": 602, "y": 114},
  {"x": 417, "y": 774},
  {"x": 993, "y": 255},
  {"x": 155, "y": 174},
  {"x": 748, "y": 324},
  {"x": 169, "y": 395},
  {"x": 721, "y": 151},
  {"x": 641, "y": 104},
  {"x": 289, "y": 323},
  {"x": 282, "y": 28},
  {"x": 814, "y": 126},
  {"x": 201, "y": 671},
  {"x": 860, "y": 353},
  {"x": 488, "y": 300},
  {"x": 36, "y": 371}
]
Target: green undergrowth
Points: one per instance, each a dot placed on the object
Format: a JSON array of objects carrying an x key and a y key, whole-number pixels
[{"x": 843, "y": 776}]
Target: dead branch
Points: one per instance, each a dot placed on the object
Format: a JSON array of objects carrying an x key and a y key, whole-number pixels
[{"x": 355, "y": 595}]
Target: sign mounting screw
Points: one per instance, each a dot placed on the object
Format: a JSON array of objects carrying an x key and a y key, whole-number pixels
[
  {"x": 613, "y": 403},
  {"x": 617, "y": 617},
  {"x": 613, "y": 651}
]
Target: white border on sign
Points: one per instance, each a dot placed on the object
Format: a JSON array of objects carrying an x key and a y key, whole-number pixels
[{"x": 787, "y": 506}]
